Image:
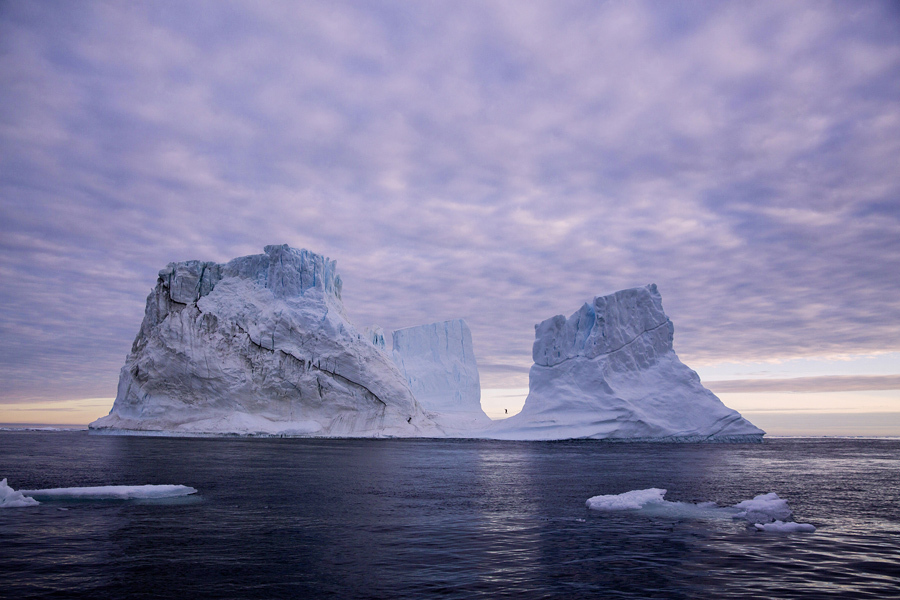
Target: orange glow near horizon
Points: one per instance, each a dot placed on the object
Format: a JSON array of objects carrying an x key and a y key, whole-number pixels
[{"x": 57, "y": 412}]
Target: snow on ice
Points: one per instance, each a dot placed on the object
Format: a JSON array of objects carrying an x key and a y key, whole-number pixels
[{"x": 766, "y": 512}]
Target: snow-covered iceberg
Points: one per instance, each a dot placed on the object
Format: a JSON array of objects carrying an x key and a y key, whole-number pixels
[
  {"x": 766, "y": 512},
  {"x": 438, "y": 361},
  {"x": 609, "y": 372},
  {"x": 258, "y": 345}
]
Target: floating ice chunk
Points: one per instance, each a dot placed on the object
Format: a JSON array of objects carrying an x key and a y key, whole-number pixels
[
  {"x": 765, "y": 508},
  {"x": 766, "y": 512},
  {"x": 651, "y": 503},
  {"x": 112, "y": 492},
  {"x": 10, "y": 498},
  {"x": 633, "y": 500},
  {"x": 785, "y": 527}
]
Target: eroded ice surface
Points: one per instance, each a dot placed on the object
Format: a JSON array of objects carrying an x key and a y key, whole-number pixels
[
  {"x": 609, "y": 371},
  {"x": 260, "y": 345},
  {"x": 16, "y": 498},
  {"x": 438, "y": 361},
  {"x": 766, "y": 512}
]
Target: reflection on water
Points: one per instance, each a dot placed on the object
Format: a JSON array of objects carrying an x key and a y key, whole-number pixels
[{"x": 419, "y": 518}]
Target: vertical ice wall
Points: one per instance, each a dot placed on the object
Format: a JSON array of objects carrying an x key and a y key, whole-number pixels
[{"x": 439, "y": 365}]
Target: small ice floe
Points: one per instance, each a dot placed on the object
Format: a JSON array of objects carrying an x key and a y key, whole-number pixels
[
  {"x": 764, "y": 509},
  {"x": 112, "y": 492},
  {"x": 784, "y": 526},
  {"x": 10, "y": 497},
  {"x": 766, "y": 512}
]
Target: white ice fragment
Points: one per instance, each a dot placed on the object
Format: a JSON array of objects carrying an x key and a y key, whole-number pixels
[
  {"x": 765, "y": 508},
  {"x": 766, "y": 512},
  {"x": 112, "y": 492},
  {"x": 10, "y": 498},
  {"x": 782, "y": 526},
  {"x": 633, "y": 500}
]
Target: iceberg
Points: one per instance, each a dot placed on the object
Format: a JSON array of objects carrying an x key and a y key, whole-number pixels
[
  {"x": 438, "y": 362},
  {"x": 766, "y": 512},
  {"x": 260, "y": 345},
  {"x": 609, "y": 372}
]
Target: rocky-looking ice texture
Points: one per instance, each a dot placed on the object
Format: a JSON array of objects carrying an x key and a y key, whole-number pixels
[
  {"x": 259, "y": 345},
  {"x": 439, "y": 365},
  {"x": 609, "y": 372}
]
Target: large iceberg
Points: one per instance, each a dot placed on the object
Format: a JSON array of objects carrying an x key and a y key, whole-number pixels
[
  {"x": 438, "y": 361},
  {"x": 259, "y": 345},
  {"x": 609, "y": 372}
]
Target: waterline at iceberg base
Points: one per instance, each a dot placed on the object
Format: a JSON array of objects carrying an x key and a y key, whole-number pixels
[{"x": 262, "y": 346}]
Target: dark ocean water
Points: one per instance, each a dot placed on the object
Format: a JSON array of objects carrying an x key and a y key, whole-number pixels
[{"x": 282, "y": 518}]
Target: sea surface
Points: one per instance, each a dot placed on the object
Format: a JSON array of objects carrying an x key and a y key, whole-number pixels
[{"x": 295, "y": 518}]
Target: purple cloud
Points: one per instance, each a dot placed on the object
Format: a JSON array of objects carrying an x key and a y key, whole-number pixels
[{"x": 497, "y": 161}]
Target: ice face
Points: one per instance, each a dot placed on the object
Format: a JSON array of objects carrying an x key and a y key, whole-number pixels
[
  {"x": 438, "y": 362},
  {"x": 375, "y": 335},
  {"x": 258, "y": 345},
  {"x": 606, "y": 325},
  {"x": 766, "y": 512},
  {"x": 609, "y": 371}
]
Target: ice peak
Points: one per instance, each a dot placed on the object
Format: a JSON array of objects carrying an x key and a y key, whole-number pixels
[
  {"x": 601, "y": 326},
  {"x": 287, "y": 272}
]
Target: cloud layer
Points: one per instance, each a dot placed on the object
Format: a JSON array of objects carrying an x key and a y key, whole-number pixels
[{"x": 497, "y": 161}]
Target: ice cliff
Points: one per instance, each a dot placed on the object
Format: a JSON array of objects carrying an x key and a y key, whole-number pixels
[
  {"x": 609, "y": 372},
  {"x": 438, "y": 362},
  {"x": 259, "y": 345}
]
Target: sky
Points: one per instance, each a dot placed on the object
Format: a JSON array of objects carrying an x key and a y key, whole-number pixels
[{"x": 502, "y": 162}]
